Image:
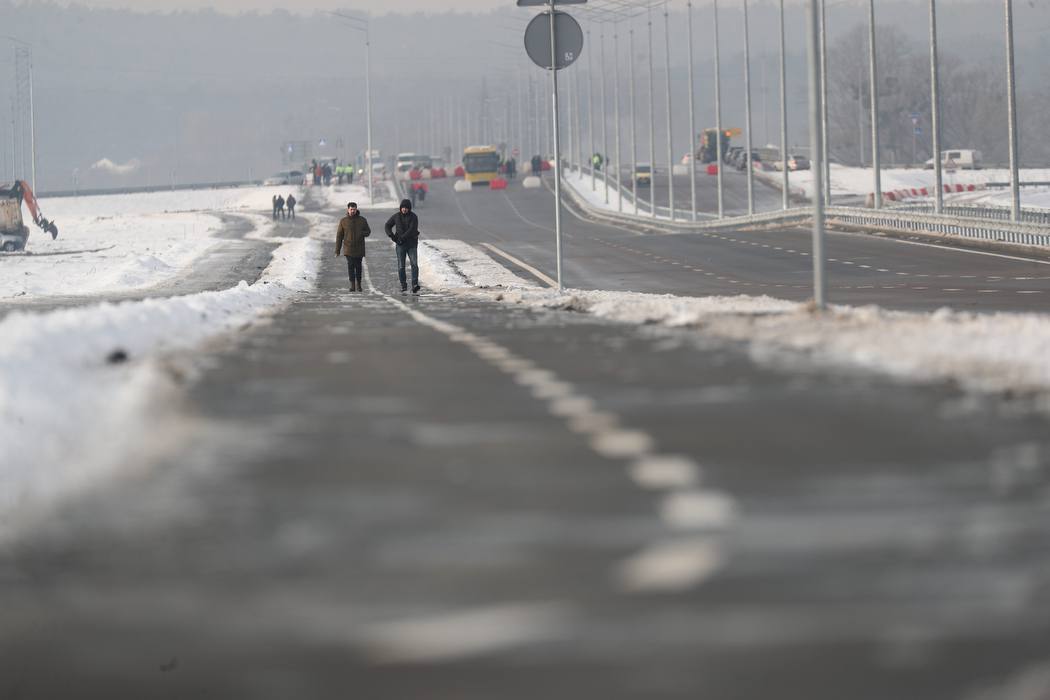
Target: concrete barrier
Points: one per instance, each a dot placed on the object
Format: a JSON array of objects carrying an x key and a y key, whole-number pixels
[
  {"x": 462, "y": 186},
  {"x": 531, "y": 182}
]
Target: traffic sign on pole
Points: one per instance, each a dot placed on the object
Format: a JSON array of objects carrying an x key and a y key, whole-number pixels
[{"x": 568, "y": 37}]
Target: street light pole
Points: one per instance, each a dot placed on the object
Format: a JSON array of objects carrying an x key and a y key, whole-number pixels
[
  {"x": 670, "y": 132},
  {"x": 605, "y": 111},
  {"x": 874, "y": 79},
  {"x": 935, "y": 116},
  {"x": 590, "y": 112},
  {"x": 1011, "y": 108},
  {"x": 634, "y": 134},
  {"x": 556, "y": 144},
  {"x": 616, "y": 112},
  {"x": 652, "y": 119},
  {"x": 813, "y": 56},
  {"x": 826, "y": 163},
  {"x": 692, "y": 115},
  {"x": 747, "y": 115},
  {"x": 785, "y": 184},
  {"x": 718, "y": 114}
]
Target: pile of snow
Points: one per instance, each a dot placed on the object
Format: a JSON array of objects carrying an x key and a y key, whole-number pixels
[
  {"x": 985, "y": 352},
  {"x": 119, "y": 243},
  {"x": 74, "y": 390},
  {"x": 847, "y": 180},
  {"x": 338, "y": 196},
  {"x": 581, "y": 184}
]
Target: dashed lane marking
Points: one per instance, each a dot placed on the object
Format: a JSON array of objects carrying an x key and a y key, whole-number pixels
[{"x": 672, "y": 563}]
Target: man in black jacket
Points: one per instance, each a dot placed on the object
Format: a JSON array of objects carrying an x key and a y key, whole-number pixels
[{"x": 403, "y": 229}]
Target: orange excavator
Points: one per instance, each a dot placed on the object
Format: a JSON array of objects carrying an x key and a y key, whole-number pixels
[{"x": 13, "y": 233}]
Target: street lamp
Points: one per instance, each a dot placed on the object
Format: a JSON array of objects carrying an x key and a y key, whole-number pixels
[{"x": 363, "y": 26}]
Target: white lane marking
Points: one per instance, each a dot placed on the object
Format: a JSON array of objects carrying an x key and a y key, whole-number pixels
[
  {"x": 957, "y": 250},
  {"x": 698, "y": 510},
  {"x": 1031, "y": 291},
  {"x": 522, "y": 264},
  {"x": 338, "y": 357},
  {"x": 987, "y": 291},
  {"x": 622, "y": 444},
  {"x": 674, "y": 565},
  {"x": 568, "y": 406},
  {"x": 665, "y": 472},
  {"x": 465, "y": 633}
]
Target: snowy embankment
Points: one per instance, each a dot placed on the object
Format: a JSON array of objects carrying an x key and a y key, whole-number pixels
[
  {"x": 338, "y": 196},
  {"x": 119, "y": 243},
  {"x": 858, "y": 182},
  {"x": 983, "y": 352},
  {"x": 80, "y": 388}
]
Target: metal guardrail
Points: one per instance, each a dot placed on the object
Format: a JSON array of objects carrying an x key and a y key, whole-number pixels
[
  {"x": 1027, "y": 234},
  {"x": 891, "y": 220},
  {"x": 983, "y": 211}
]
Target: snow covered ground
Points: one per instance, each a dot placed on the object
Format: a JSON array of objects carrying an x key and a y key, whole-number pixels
[
  {"x": 125, "y": 242},
  {"x": 858, "y": 181},
  {"x": 81, "y": 385},
  {"x": 84, "y": 384},
  {"x": 983, "y": 352},
  {"x": 338, "y": 196}
]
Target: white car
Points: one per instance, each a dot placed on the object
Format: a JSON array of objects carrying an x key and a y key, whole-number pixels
[
  {"x": 285, "y": 177},
  {"x": 963, "y": 159}
]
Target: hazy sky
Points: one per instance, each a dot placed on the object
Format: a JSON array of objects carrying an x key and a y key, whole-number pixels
[{"x": 298, "y": 6}]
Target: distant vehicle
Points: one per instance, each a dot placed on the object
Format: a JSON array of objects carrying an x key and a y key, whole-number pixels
[
  {"x": 286, "y": 177},
  {"x": 643, "y": 174},
  {"x": 798, "y": 162},
  {"x": 405, "y": 162},
  {"x": 964, "y": 158},
  {"x": 729, "y": 156},
  {"x": 480, "y": 164},
  {"x": 708, "y": 151}
]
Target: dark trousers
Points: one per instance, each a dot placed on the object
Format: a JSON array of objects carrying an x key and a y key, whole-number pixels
[
  {"x": 402, "y": 252},
  {"x": 354, "y": 267},
  {"x": 291, "y": 212}
]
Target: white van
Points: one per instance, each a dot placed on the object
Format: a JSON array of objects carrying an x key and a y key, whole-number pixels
[{"x": 962, "y": 158}]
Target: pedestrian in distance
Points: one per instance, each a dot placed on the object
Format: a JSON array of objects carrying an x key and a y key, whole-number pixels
[
  {"x": 290, "y": 203},
  {"x": 403, "y": 230},
  {"x": 350, "y": 241},
  {"x": 280, "y": 206},
  {"x": 275, "y": 207}
]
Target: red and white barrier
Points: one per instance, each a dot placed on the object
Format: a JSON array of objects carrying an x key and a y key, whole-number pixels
[{"x": 914, "y": 192}]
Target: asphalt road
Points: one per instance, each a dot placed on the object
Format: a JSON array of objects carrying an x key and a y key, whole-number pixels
[
  {"x": 862, "y": 269},
  {"x": 384, "y": 496}
]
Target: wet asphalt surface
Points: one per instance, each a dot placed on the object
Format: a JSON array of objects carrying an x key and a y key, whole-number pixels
[{"x": 387, "y": 496}]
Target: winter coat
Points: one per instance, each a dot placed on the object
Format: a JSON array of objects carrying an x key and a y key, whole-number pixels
[
  {"x": 403, "y": 229},
  {"x": 350, "y": 239},
  {"x": 291, "y": 202}
]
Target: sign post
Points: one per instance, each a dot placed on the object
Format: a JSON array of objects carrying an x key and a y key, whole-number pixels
[{"x": 553, "y": 40}]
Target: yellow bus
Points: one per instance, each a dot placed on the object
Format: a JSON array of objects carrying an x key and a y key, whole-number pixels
[{"x": 480, "y": 164}]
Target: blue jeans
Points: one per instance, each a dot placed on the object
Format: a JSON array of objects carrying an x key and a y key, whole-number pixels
[{"x": 402, "y": 251}]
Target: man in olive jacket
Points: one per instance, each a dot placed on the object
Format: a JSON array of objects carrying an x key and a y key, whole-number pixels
[
  {"x": 350, "y": 241},
  {"x": 403, "y": 229}
]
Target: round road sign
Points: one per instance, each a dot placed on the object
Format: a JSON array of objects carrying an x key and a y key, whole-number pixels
[{"x": 568, "y": 39}]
